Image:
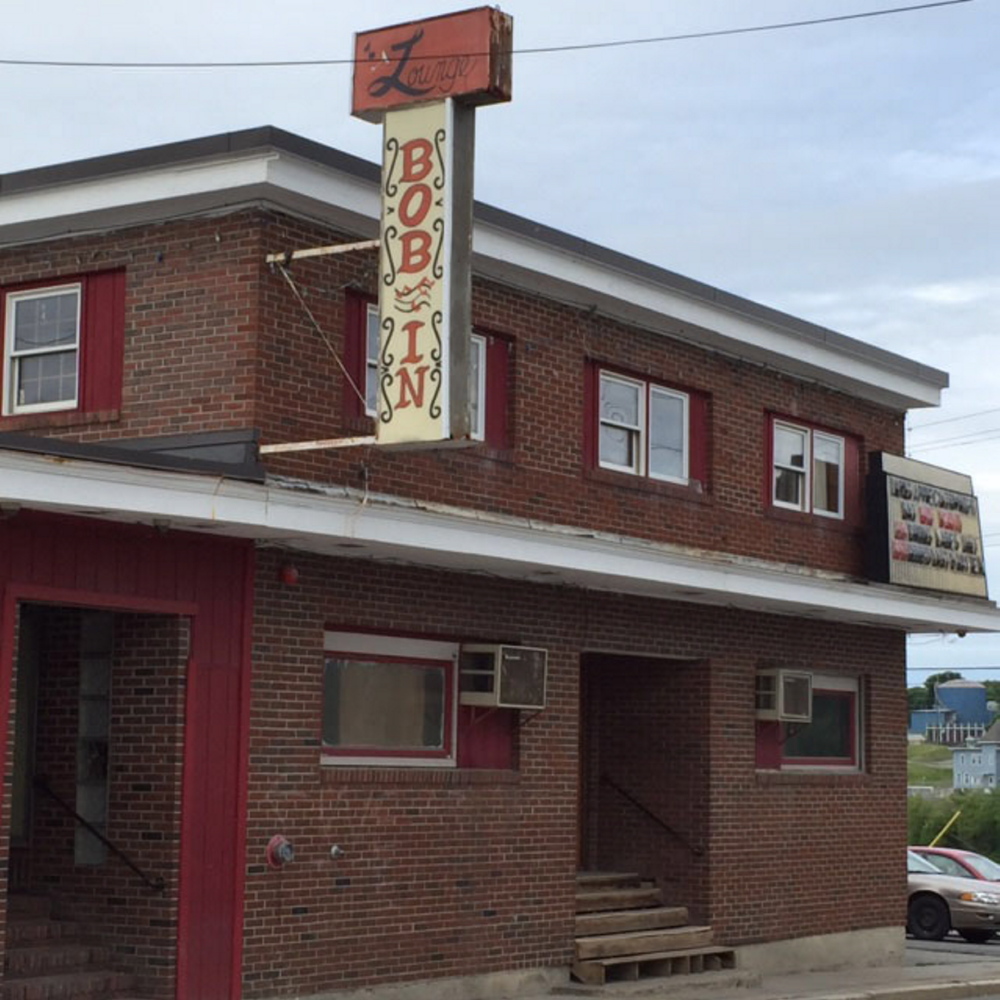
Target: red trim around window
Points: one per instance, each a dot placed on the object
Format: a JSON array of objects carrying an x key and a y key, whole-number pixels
[
  {"x": 498, "y": 350},
  {"x": 699, "y": 424},
  {"x": 853, "y": 455},
  {"x": 102, "y": 343},
  {"x": 355, "y": 351}
]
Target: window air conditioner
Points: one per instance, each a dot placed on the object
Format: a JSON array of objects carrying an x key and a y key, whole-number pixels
[
  {"x": 502, "y": 676},
  {"x": 784, "y": 695}
]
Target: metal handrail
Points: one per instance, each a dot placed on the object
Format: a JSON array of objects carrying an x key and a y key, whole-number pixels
[
  {"x": 156, "y": 884},
  {"x": 696, "y": 851}
]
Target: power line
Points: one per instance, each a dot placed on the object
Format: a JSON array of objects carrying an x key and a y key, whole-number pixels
[
  {"x": 973, "y": 437},
  {"x": 690, "y": 36},
  {"x": 951, "y": 420}
]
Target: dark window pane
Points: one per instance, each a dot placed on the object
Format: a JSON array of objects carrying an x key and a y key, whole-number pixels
[{"x": 831, "y": 732}]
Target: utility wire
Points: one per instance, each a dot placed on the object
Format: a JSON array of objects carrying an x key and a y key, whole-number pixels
[
  {"x": 547, "y": 49},
  {"x": 951, "y": 420}
]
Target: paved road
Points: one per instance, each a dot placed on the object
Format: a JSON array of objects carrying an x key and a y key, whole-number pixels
[{"x": 955, "y": 948}]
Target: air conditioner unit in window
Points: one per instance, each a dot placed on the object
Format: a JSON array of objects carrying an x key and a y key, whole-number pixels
[
  {"x": 784, "y": 695},
  {"x": 502, "y": 676}
]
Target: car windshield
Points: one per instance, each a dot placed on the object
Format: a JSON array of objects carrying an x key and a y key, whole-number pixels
[
  {"x": 915, "y": 863},
  {"x": 987, "y": 868}
]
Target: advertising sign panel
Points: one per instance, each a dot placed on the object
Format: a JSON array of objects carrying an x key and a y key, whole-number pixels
[{"x": 925, "y": 529}]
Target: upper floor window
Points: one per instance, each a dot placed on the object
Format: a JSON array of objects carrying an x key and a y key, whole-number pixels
[
  {"x": 808, "y": 469},
  {"x": 63, "y": 345},
  {"x": 646, "y": 429},
  {"x": 42, "y": 349},
  {"x": 488, "y": 364}
]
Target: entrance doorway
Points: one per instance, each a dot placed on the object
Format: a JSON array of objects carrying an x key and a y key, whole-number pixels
[
  {"x": 645, "y": 765},
  {"x": 97, "y": 768}
]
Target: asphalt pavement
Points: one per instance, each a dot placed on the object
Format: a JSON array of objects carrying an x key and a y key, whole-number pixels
[{"x": 951, "y": 970}]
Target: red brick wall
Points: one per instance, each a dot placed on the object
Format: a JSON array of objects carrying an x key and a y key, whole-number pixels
[
  {"x": 543, "y": 474},
  {"x": 145, "y": 757},
  {"x": 215, "y": 340},
  {"x": 456, "y": 872}
]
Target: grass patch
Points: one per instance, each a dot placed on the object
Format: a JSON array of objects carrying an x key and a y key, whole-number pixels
[{"x": 928, "y": 764}]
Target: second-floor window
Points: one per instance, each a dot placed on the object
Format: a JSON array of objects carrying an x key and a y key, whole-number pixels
[
  {"x": 42, "y": 349},
  {"x": 644, "y": 428},
  {"x": 808, "y": 469},
  {"x": 62, "y": 346}
]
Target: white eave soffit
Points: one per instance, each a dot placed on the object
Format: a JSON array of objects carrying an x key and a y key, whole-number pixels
[{"x": 335, "y": 522}]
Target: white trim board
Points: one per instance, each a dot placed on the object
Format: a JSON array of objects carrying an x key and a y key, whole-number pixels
[{"x": 338, "y": 522}]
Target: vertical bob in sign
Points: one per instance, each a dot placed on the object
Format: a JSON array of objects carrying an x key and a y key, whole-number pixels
[{"x": 425, "y": 277}]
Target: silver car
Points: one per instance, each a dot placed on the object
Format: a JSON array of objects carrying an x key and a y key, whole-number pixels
[{"x": 939, "y": 903}]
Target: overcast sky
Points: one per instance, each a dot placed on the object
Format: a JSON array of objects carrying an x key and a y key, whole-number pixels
[{"x": 848, "y": 173}]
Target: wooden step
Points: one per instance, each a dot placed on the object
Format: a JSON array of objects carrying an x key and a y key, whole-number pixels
[
  {"x": 586, "y": 881},
  {"x": 50, "y": 958},
  {"x": 83, "y": 985},
  {"x": 618, "y": 899},
  {"x": 632, "y": 967},
  {"x": 28, "y": 930},
  {"x": 643, "y": 942},
  {"x": 28, "y": 905},
  {"x": 620, "y": 921}
]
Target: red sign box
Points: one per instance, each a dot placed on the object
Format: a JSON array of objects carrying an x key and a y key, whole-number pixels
[{"x": 465, "y": 55}]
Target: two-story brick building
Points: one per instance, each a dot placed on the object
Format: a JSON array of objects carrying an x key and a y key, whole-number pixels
[{"x": 206, "y": 648}]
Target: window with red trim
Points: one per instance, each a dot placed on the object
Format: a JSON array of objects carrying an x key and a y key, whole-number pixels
[
  {"x": 63, "y": 345},
  {"x": 489, "y": 361},
  {"x": 376, "y": 706},
  {"x": 813, "y": 470},
  {"x": 831, "y": 740},
  {"x": 645, "y": 428},
  {"x": 392, "y": 701}
]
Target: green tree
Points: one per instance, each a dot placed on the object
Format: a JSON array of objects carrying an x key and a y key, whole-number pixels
[
  {"x": 992, "y": 690},
  {"x": 926, "y": 818},
  {"x": 918, "y": 697},
  {"x": 941, "y": 678}
]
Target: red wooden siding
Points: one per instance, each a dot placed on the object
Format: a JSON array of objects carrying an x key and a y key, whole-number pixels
[{"x": 89, "y": 563}]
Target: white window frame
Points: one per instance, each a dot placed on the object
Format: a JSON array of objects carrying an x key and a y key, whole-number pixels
[
  {"x": 12, "y": 357},
  {"x": 810, "y": 436},
  {"x": 371, "y": 363},
  {"x": 640, "y": 431},
  {"x": 358, "y": 644},
  {"x": 477, "y": 387},
  {"x": 836, "y": 683}
]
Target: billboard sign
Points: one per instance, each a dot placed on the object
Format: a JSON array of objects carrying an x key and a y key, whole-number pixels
[
  {"x": 925, "y": 528},
  {"x": 466, "y": 55}
]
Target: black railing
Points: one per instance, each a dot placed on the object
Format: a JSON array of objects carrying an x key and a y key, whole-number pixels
[
  {"x": 658, "y": 820},
  {"x": 156, "y": 884}
]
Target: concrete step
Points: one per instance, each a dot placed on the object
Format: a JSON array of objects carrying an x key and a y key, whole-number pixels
[
  {"x": 643, "y": 942},
  {"x": 692, "y": 961},
  {"x": 588, "y": 881},
  {"x": 618, "y": 899},
  {"x": 621, "y": 921}
]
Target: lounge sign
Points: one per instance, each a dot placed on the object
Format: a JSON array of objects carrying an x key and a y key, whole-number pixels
[
  {"x": 925, "y": 525},
  {"x": 466, "y": 55},
  {"x": 422, "y": 80}
]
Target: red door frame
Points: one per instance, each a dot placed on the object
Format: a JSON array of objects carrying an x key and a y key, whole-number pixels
[{"x": 210, "y": 582}]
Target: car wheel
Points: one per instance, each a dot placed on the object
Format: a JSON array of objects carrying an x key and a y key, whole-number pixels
[
  {"x": 928, "y": 918},
  {"x": 977, "y": 937}
]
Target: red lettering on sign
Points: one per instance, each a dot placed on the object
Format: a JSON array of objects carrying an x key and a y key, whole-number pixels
[
  {"x": 416, "y": 246},
  {"x": 413, "y": 215},
  {"x": 408, "y": 392},
  {"x": 412, "y": 329},
  {"x": 416, "y": 160}
]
